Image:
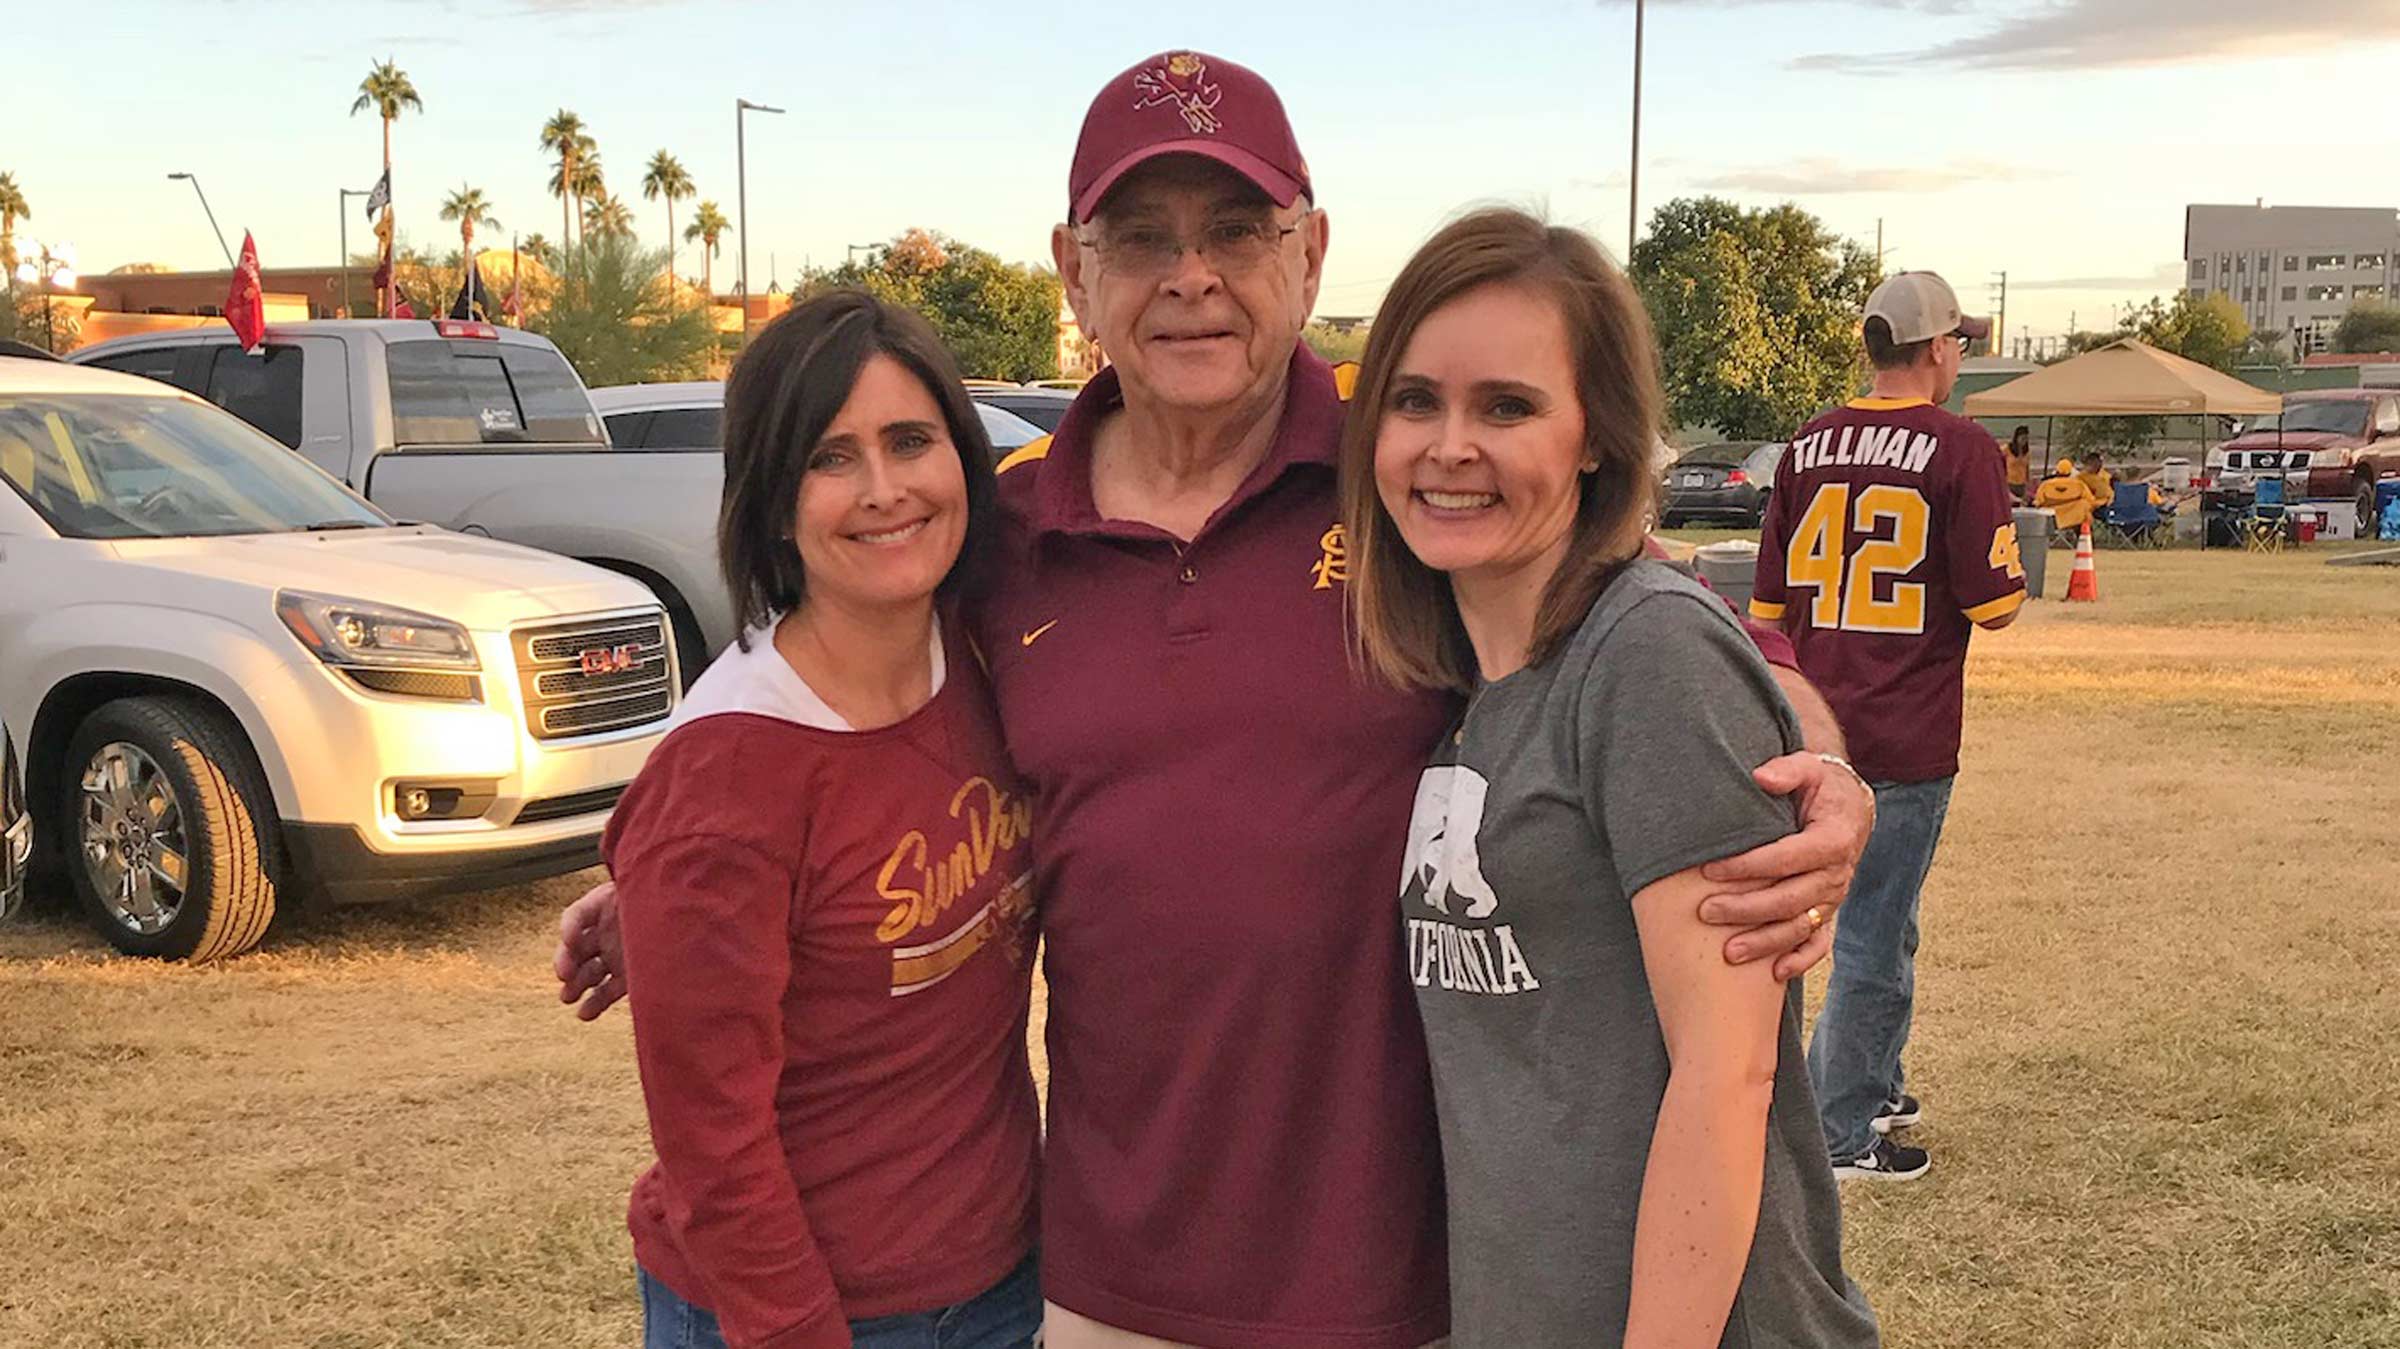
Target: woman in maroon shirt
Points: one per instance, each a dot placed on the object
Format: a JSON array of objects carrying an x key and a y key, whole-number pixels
[{"x": 824, "y": 881}]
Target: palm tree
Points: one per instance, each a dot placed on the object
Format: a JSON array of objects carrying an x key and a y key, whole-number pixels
[
  {"x": 468, "y": 207},
  {"x": 535, "y": 247},
  {"x": 666, "y": 178},
  {"x": 387, "y": 90},
  {"x": 12, "y": 210},
  {"x": 608, "y": 215},
  {"x": 708, "y": 225},
  {"x": 564, "y": 135}
]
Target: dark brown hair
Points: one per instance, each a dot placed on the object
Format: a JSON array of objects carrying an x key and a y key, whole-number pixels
[
  {"x": 783, "y": 393},
  {"x": 1885, "y": 354},
  {"x": 1405, "y": 622}
]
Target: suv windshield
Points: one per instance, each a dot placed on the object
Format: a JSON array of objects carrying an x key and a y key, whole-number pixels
[
  {"x": 113, "y": 466},
  {"x": 2340, "y": 416},
  {"x": 471, "y": 392}
]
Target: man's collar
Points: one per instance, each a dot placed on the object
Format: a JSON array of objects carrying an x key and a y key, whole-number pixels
[{"x": 1310, "y": 432}]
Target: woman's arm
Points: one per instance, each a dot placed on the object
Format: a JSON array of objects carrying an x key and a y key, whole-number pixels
[
  {"x": 1700, "y": 1193},
  {"x": 707, "y": 929}
]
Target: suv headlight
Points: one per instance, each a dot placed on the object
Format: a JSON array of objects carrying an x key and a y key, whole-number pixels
[{"x": 387, "y": 649}]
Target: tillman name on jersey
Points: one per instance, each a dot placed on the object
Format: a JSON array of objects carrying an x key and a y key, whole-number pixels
[{"x": 1868, "y": 446}]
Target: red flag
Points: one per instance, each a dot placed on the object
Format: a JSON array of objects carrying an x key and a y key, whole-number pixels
[
  {"x": 400, "y": 306},
  {"x": 246, "y": 303}
]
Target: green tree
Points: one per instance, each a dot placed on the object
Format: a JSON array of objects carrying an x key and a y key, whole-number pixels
[
  {"x": 708, "y": 225},
  {"x": 620, "y": 322},
  {"x": 1756, "y": 313},
  {"x": 607, "y": 215},
  {"x": 2210, "y": 330},
  {"x": 1335, "y": 345},
  {"x": 2369, "y": 326},
  {"x": 565, "y": 136},
  {"x": 468, "y": 207},
  {"x": 12, "y": 210},
  {"x": 666, "y": 178},
  {"x": 1000, "y": 320}
]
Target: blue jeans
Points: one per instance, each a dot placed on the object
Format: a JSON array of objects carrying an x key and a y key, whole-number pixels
[
  {"x": 1854, "y": 1057},
  {"x": 1005, "y": 1316}
]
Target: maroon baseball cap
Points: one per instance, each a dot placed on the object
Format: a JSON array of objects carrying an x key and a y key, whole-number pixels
[{"x": 1185, "y": 103}]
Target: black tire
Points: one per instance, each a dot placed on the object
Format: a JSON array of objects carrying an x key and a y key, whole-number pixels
[
  {"x": 2367, "y": 522},
  {"x": 225, "y": 823}
]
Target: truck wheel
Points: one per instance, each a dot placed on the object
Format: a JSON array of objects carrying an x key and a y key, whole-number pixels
[
  {"x": 168, "y": 831},
  {"x": 2367, "y": 522}
]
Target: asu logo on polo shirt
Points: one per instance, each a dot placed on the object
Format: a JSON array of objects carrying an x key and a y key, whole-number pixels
[{"x": 1334, "y": 566}]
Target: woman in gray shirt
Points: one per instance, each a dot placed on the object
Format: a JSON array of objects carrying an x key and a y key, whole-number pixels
[{"x": 1631, "y": 1147}]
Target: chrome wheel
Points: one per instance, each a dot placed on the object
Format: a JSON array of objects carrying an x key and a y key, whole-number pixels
[{"x": 131, "y": 831}]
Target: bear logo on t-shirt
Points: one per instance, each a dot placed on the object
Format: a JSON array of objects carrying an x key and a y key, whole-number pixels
[{"x": 1442, "y": 855}]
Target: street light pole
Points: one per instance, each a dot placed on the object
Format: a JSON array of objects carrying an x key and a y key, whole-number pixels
[
  {"x": 212, "y": 218},
  {"x": 741, "y": 187},
  {"x": 347, "y": 194},
  {"x": 1633, "y": 180}
]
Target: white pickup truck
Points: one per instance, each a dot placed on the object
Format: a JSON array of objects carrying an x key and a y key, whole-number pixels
[
  {"x": 233, "y": 682},
  {"x": 476, "y": 428}
]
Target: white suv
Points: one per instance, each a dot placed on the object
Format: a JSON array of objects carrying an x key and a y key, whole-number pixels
[{"x": 233, "y": 682}]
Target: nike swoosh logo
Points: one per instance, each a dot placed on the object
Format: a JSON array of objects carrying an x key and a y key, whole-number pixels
[{"x": 1036, "y": 635}]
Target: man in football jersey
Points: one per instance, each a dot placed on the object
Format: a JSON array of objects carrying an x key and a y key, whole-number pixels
[{"x": 1887, "y": 541}]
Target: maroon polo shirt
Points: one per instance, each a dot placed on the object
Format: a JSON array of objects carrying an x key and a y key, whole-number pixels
[{"x": 1241, "y": 1146}]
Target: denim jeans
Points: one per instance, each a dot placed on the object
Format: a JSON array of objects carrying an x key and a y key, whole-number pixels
[
  {"x": 1008, "y": 1315},
  {"x": 1854, "y": 1056}
]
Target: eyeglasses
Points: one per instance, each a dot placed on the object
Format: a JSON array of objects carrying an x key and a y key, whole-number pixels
[
  {"x": 1965, "y": 343},
  {"x": 1145, "y": 252}
]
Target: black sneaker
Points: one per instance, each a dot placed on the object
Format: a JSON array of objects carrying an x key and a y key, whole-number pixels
[
  {"x": 1886, "y": 1160},
  {"x": 1901, "y": 1114}
]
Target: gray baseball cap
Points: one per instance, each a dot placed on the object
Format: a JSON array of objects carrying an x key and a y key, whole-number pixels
[{"x": 1920, "y": 306}]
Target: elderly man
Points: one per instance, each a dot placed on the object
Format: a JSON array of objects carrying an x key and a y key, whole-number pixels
[{"x": 1241, "y": 1146}]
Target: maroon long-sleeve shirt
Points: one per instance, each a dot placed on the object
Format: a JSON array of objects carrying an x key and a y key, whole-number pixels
[{"x": 829, "y": 934}]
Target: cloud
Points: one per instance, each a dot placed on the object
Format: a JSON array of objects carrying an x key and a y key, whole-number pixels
[
  {"x": 2092, "y": 34},
  {"x": 1826, "y": 177},
  {"x": 2167, "y": 275}
]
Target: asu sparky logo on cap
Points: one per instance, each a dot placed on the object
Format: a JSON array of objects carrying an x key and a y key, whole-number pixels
[{"x": 1188, "y": 103}]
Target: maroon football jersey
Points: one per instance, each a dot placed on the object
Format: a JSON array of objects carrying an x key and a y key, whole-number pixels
[{"x": 1887, "y": 538}]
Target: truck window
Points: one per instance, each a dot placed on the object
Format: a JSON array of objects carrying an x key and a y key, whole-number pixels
[
  {"x": 626, "y": 429},
  {"x": 156, "y": 363},
  {"x": 686, "y": 429},
  {"x": 263, "y": 390},
  {"x": 470, "y": 392}
]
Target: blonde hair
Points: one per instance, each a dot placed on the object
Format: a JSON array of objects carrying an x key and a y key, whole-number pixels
[{"x": 1404, "y": 622}]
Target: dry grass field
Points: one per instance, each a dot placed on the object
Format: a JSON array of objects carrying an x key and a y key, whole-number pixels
[{"x": 2158, "y": 1043}]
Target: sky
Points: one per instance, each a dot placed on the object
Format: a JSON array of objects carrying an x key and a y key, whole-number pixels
[{"x": 2056, "y": 140}]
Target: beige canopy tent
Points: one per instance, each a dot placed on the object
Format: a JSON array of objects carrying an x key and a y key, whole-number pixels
[{"x": 2126, "y": 378}]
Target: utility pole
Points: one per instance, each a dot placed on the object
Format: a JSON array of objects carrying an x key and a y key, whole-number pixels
[
  {"x": 1633, "y": 177},
  {"x": 2000, "y": 324},
  {"x": 741, "y": 187}
]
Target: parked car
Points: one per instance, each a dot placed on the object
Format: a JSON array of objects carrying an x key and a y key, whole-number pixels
[
  {"x": 1045, "y": 408},
  {"x": 235, "y": 683},
  {"x": 16, "y": 828},
  {"x": 668, "y": 458},
  {"x": 2329, "y": 445},
  {"x": 1727, "y": 483}
]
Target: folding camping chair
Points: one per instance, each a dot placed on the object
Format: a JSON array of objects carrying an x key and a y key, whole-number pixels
[
  {"x": 2262, "y": 526},
  {"x": 2132, "y": 521}
]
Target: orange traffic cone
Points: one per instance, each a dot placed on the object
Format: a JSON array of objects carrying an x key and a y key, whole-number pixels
[{"x": 2085, "y": 583}]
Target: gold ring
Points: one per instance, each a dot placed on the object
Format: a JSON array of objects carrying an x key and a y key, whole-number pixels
[{"x": 1815, "y": 917}]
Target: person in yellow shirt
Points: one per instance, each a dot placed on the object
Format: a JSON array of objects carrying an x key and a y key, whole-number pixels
[
  {"x": 2069, "y": 499},
  {"x": 2096, "y": 476},
  {"x": 2019, "y": 450}
]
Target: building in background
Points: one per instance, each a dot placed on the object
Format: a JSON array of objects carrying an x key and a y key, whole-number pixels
[{"x": 2293, "y": 270}]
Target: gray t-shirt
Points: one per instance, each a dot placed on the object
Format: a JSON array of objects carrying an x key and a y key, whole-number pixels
[{"x": 1569, "y": 787}]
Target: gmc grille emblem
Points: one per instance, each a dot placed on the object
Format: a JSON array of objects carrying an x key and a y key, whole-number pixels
[{"x": 602, "y": 660}]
